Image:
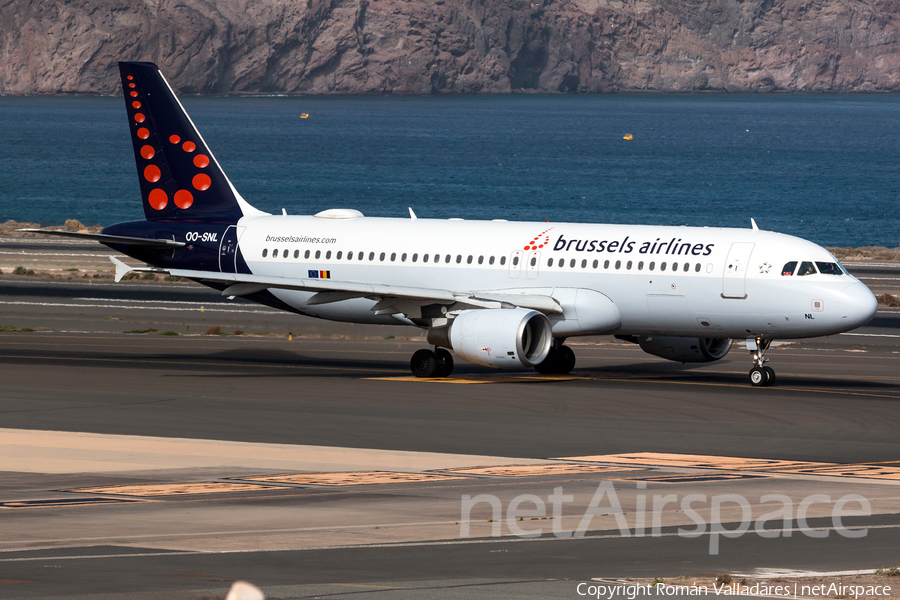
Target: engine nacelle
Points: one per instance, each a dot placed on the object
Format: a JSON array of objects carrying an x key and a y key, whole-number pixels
[
  {"x": 686, "y": 350},
  {"x": 503, "y": 338}
]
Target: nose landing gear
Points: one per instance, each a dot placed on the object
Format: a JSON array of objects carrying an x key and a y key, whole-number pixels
[{"x": 760, "y": 374}]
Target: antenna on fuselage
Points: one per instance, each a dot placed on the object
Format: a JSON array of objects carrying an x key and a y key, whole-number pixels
[
  {"x": 412, "y": 215},
  {"x": 753, "y": 224}
]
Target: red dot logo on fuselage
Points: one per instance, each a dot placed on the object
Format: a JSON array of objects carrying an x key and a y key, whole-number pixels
[{"x": 539, "y": 241}]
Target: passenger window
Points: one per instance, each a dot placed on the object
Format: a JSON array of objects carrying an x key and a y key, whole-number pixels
[
  {"x": 502, "y": 260},
  {"x": 265, "y": 251},
  {"x": 306, "y": 254},
  {"x": 381, "y": 258},
  {"x": 618, "y": 264},
  {"x": 371, "y": 255},
  {"x": 424, "y": 258},
  {"x": 350, "y": 255},
  {"x": 662, "y": 266},
  {"x": 393, "y": 256},
  {"x": 296, "y": 254},
  {"x": 549, "y": 262},
  {"x": 318, "y": 254},
  {"x": 652, "y": 265},
  {"x": 458, "y": 258},
  {"x": 606, "y": 264},
  {"x": 675, "y": 266},
  {"x": 641, "y": 266},
  {"x": 829, "y": 268},
  {"x": 403, "y": 257},
  {"x": 328, "y": 255},
  {"x": 469, "y": 260},
  {"x": 628, "y": 265},
  {"x": 415, "y": 257},
  {"x": 806, "y": 268},
  {"x": 533, "y": 261},
  {"x": 596, "y": 263},
  {"x": 687, "y": 267},
  {"x": 491, "y": 261},
  {"x": 788, "y": 269},
  {"x": 480, "y": 260},
  {"x": 572, "y": 264},
  {"x": 697, "y": 268},
  {"x": 447, "y": 258},
  {"x": 275, "y": 253},
  {"x": 584, "y": 264},
  {"x": 515, "y": 260}
]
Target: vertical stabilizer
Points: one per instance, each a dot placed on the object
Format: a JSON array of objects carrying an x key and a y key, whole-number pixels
[{"x": 180, "y": 178}]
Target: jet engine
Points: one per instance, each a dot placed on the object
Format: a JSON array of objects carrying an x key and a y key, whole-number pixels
[
  {"x": 504, "y": 338},
  {"x": 686, "y": 350}
]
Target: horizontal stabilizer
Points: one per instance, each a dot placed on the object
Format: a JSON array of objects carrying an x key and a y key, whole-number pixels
[{"x": 109, "y": 239}]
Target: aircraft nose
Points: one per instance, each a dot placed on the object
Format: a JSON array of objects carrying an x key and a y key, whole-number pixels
[{"x": 858, "y": 306}]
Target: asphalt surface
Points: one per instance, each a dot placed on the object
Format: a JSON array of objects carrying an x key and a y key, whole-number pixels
[{"x": 67, "y": 365}]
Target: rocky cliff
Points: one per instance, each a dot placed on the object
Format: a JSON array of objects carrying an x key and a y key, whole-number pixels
[{"x": 453, "y": 46}]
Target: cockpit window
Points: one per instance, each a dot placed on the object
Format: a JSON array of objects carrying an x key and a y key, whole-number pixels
[
  {"x": 806, "y": 268},
  {"x": 788, "y": 269},
  {"x": 829, "y": 268}
]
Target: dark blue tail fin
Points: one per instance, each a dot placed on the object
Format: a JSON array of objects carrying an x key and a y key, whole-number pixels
[{"x": 180, "y": 179}]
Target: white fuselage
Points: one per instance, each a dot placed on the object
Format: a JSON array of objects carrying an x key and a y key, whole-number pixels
[{"x": 680, "y": 281}]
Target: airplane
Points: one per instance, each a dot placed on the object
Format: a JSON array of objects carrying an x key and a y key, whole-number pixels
[{"x": 502, "y": 294}]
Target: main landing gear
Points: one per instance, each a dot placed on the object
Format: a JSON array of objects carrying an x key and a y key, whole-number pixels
[
  {"x": 760, "y": 375},
  {"x": 427, "y": 363},
  {"x": 560, "y": 361}
]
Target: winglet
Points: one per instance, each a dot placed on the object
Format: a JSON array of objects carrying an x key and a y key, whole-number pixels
[
  {"x": 753, "y": 224},
  {"x": 121, "y": 268},
  {"x": 412, "y": 215}
]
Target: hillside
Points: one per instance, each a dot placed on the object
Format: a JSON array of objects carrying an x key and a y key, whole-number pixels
[{"x": 453, "y": 46}]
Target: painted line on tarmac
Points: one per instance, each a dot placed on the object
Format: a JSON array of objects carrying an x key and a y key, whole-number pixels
[
  {"x": 735, "y": 464},
  {"x": 479, "y": 541},
  {"x": 350, "y": 478},
  {"x": 199, "y": 308},
  {"x": 884, "y": 335}
]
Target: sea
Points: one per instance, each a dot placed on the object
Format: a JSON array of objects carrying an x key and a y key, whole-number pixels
[{"x": 822, "y": 167}]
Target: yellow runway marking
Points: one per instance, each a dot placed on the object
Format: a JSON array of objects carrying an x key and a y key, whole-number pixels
[
  {"x": 350, "y": 478},
  {"x": 537, "y": 470},
  {"x": 174, "y": 489},
  {"x": 652, "y": 459}
]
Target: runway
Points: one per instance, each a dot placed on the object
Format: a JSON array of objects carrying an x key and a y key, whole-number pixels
[{"x": 169, "y": 462}]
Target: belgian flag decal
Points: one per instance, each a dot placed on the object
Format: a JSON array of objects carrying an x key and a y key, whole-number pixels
[{"x": 319, "y": 274}]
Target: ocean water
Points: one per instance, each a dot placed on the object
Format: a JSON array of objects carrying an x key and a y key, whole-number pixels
[{"x": 823, "y": 167}]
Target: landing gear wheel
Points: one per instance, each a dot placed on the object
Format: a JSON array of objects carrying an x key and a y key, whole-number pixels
[
  {"x": 566, "y": 360},
  {"x": 759, "y": 376},
  {"x": 770, "y": 373},
  {"x": 444, "y": 363},
  {"x": 423, "y": 363},
  {"x": 560, "y": 361},
  {"x": 550, "y": 364}
]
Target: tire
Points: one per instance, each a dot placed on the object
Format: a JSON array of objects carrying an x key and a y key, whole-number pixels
[
  {"x": 758, "y": 377},
  {"x": 423, "y": 363},
  {"x": 444, "y": 362},
  {"x": 550, "y": 364},
  {"x": 566, "y": 360},
  {"x": 770, "y": 375}
]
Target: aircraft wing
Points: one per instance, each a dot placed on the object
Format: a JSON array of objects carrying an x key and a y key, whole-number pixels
[{"x": 328, "y": 290}]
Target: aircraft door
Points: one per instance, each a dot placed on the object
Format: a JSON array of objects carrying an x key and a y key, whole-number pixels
[
  {"x": 734, "y": 278},
  {"x": 515, "y": 263},
  {"x": 228, "y": 250},
  {"x": 533, "y": 264}
]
